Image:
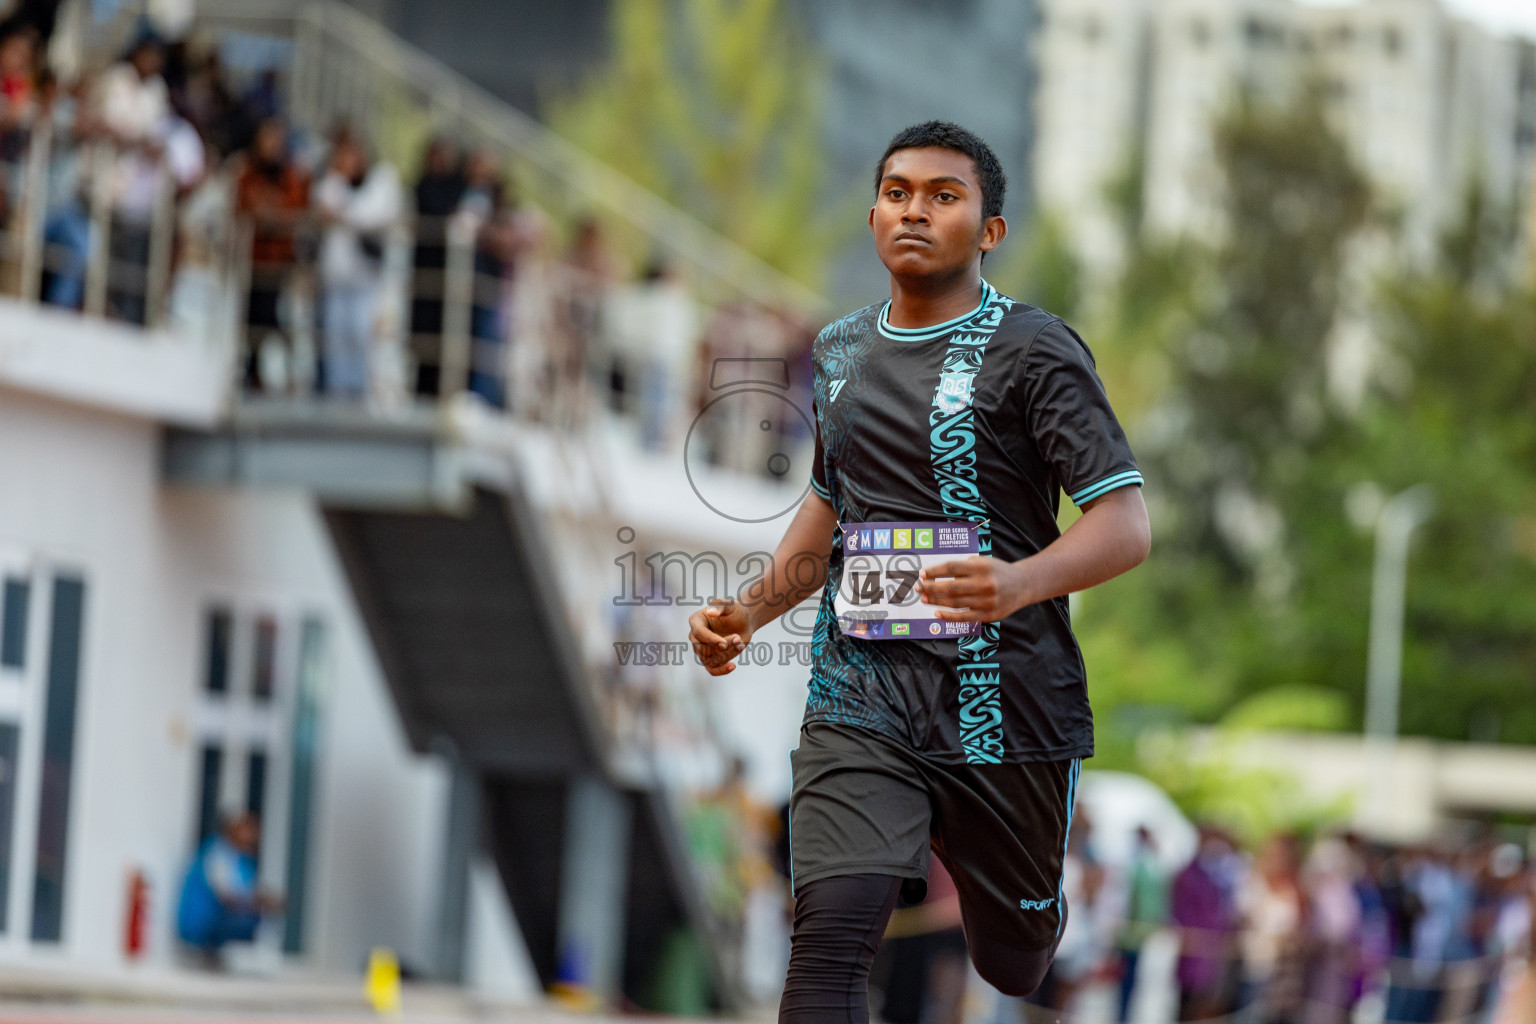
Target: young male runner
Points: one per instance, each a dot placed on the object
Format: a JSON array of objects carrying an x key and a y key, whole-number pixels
[{"x": 951, "y": 403}]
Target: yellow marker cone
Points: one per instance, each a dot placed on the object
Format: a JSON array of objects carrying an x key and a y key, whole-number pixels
[{"x": 382, "y": 986}]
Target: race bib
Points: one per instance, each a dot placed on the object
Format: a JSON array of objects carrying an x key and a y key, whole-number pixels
[{"x": 878, "y": 598}]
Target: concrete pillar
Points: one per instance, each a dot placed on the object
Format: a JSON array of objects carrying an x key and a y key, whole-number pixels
[{"x": 461, "y": 842}]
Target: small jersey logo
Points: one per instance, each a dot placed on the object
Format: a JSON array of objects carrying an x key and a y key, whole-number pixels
[
  {"x": 954, "y": 391},
  {"x": 935, "y": 628},
  {"x": 837, "y": 387},
  {"x": 1045, "y": 904}
]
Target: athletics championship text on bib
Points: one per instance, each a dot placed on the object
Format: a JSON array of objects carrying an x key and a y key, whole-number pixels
[{"x": 878, "y": 598}]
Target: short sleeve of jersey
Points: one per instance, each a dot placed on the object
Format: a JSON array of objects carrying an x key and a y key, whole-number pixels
[
  {"x": 819, "y": 460},
  {"x": 1070, "y": 417}
]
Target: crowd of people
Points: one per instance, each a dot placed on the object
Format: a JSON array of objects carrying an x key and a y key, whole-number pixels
[
  {"x": 1303, "y": 932},
  {"x": 343, "y": 278},
  {"x": 1290, "y": 932}
]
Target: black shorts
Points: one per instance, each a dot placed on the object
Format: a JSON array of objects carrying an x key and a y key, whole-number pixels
[{"x": 863, "y": 803}]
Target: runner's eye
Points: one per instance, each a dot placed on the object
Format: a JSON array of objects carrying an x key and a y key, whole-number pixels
[{"x": 894, "y": 193}]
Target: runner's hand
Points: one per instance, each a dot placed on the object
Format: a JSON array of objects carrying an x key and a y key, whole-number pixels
[
  {"x": 719, "y": 633},
  {"x": 983, "y": 589}
]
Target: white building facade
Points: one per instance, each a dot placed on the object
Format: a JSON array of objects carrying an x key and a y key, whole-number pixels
[
  {"x": 1426, "y": 101},
  {"x": 168, "y": 655}
]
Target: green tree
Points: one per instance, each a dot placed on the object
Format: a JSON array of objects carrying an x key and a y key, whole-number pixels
[
  {"x": 1256, "y": 599},
  {"x": 712, "y": 105}
]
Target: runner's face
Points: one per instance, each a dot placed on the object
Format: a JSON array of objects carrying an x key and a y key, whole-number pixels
[{"x": 927, "y": 218}]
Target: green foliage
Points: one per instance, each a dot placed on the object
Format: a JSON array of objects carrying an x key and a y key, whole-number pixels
[
  {"x": 1292, "y": 707},
  {"x": 711, "y": 104},
  {"x": 1044, "y": 271},
  {"x": 1253, "y": 609},
  {"x": 1211, "y": 783}
]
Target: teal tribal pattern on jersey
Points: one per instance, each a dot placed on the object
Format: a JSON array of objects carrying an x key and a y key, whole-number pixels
[
  {"x": 952, "y": 451},
  {"x": 835, "y": 682},
  {"x": 989, "y": 418}
]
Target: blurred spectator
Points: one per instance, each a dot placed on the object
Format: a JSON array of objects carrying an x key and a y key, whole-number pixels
[
  {"x": 654, "y": 335},
  {"x": 1202, "y": 906},
  {"x": 1272, "y": 904},
  {"x": 1374, "y": 946},
  {"x": 132, "y": 102},
  {"x": 204, "y": 98},
  {"x": 439, "y": 191},
  {"x": 67, "y": 222},
  {"x": 486, "y": 206},
  {"x": 533, "y": 319},
  {"x": 1146, "y": 912},
  {"x": 18, "y": 70},
  {"x": 591, "y": 270},
  {"x": 220, "y": 900},
  {"x": 273, "y": 195},
  {"x": 202, "y": 225},
  {"x": 18, "y": 107},
  {"x": 358, "y": 203}
]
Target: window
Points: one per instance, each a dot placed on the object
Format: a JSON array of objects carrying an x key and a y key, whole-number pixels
[
  {"x": 210, "y": 778},
  {"x": 221, "y": 628},
  {"x": 10, "y": 745},
  {"x": 63, "y": 683},
  {"x": 265, "y": 658},
  {"x": 256, "y": 787},
  {"x": 309, "y": 690},
  {"x": 13, "y": 623}
]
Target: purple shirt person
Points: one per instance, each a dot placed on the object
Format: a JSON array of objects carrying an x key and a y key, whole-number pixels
[{"x": 1202, "y": 907}]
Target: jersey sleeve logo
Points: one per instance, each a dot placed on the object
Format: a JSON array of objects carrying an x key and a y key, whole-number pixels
[
  {"x": 837, "y": 387},
  {"x": 954, "y": 391}
]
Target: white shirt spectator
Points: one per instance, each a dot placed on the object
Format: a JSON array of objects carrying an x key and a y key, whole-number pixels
[
  {"x": 370, "y": 210},
  {"x": 131, "y": 107}
]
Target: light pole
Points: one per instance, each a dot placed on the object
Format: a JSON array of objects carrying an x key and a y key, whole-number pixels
[{"x": 1400, "y": 515}]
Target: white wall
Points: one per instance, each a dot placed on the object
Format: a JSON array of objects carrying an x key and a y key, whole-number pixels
[{"x": 80, "y": 489}]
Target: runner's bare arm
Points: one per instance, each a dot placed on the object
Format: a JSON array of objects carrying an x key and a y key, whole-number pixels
[
  {"x": 798, "y": 570},
  {"x": 1113, "y": 536}
]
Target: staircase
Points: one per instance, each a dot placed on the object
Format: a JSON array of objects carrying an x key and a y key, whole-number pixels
[{"x": 455, "y": 580}]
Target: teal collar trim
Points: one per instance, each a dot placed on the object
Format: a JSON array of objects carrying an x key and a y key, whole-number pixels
[{"x": 935, "y": 331}]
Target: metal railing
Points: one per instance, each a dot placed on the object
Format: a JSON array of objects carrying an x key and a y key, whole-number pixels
[
  {"x": 347, "y": 67},
  {"x": 67, "y": 239}
]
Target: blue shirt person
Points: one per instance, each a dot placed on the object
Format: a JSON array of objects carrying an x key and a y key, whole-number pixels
[{"x": 220, "y": 900}]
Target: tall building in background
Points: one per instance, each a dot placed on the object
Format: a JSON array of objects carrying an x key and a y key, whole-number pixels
[
  {"x": 892, "y": 63},
  {"x": 1427, "y": 102}
]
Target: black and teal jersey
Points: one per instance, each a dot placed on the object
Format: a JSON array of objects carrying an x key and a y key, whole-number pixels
[{"x": 989, "y": 417}]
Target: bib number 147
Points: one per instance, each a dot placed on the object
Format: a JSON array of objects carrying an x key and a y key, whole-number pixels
[
  {"x": 872, "y": 586},
  {"x": 877, "y": 597}
]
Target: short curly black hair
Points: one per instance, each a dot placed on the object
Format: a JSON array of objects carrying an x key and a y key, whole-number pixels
[{"x": 948, "y": 135}]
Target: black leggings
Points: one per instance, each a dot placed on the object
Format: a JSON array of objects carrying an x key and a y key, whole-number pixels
[{"x": 839, "y": 922}]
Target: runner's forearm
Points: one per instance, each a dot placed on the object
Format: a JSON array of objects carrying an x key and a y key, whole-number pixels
[
  {"x": 1112, "y": 537},
  {"x": 799, "y": 566}
]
